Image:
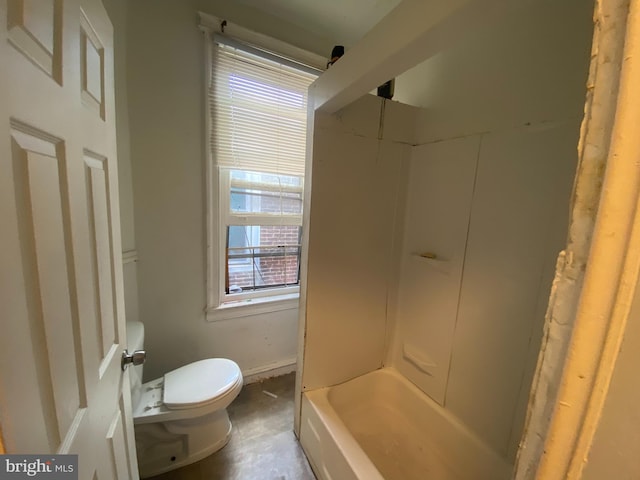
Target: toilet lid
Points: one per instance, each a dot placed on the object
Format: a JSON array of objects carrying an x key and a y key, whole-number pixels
[{"x": 200, "y": 382}]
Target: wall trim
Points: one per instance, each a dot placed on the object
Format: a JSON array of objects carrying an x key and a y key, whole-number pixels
[
  {"x": 254, "y": 306},
  {"x": 282, "y": 367}
]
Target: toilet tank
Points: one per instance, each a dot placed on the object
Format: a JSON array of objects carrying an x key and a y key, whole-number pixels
[{"x": 135, "y": 341}]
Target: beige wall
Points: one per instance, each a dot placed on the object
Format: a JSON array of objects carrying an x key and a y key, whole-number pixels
[
  {"x": 529, "y": 68},
  {"x": 165, "y": 70},
  {"x": 117, "y": 10}
]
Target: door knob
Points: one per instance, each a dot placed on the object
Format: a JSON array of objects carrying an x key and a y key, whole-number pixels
[{"x": 135, "y": 358}]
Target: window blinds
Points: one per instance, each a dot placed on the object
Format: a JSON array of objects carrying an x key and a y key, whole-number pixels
[{"x": 259, "y": 112}]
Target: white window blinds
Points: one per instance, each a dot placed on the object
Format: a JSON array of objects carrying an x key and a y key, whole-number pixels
[{"x": 258, "y": 111}]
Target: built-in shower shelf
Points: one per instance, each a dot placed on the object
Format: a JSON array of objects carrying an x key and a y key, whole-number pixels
[
  {"x": 419, "y": 359},
  {"x": 440, "y": 264}
]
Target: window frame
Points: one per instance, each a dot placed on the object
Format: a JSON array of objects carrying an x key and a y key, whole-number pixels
[{"x": 217, "y": 306}]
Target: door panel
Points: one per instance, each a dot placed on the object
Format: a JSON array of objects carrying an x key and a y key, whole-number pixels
[
  {"x": 37, "y": 160},
  {"x": 35, "y": 29},
  {"x": 91, "y": 67},
  {"x": 96, "y": 175}
]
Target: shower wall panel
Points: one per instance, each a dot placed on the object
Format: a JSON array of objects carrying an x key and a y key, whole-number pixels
[{"x": 439, "y": 195}]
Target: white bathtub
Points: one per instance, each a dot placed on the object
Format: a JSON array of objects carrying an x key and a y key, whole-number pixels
[{"x": 381, "y": 427}]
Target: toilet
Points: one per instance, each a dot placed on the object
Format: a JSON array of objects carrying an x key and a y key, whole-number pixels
[{"x": 181, "y": 417}]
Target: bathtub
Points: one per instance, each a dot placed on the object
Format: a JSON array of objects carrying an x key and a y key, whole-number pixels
[{"x": 381, "y": 427}]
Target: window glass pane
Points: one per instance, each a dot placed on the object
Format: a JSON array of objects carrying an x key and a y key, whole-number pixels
[
  {"x": 265, "y": 193},
  {"x": 262, "y": 256},
  {"x": 238, "y": 238}
]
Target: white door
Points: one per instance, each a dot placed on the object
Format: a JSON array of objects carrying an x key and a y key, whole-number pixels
[{"x": 61, "y": 298}]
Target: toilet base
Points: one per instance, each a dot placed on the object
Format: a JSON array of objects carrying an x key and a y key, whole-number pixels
[{"x": 165, "y": 446}]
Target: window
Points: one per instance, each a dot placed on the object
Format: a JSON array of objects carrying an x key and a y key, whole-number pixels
[
  {"x": 261, "y": 217},
  {"x": 258, "y": 114}
]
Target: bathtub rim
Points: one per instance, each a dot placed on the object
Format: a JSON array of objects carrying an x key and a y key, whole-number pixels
[{"x": 319, "y": 399}]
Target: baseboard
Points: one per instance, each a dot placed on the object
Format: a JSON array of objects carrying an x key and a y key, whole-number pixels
[{"x": 253, "y": 375}]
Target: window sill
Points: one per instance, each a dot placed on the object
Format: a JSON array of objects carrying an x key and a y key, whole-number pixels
[{"x": 252, "y": 306}]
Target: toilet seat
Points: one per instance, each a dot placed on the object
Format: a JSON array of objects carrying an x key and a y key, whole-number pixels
[
  {"x": 200, "y": 383},
  {"x": 194, "y": 390}
]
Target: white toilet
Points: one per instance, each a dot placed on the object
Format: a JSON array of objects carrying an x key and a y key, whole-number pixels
[{"x": 180, "y": 418}]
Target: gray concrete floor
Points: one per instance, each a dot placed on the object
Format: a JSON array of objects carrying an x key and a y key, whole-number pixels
[{"x": 262, "y": 445}]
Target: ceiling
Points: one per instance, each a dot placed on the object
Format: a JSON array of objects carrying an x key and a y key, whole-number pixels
[{"x": 344, "y": 22}]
